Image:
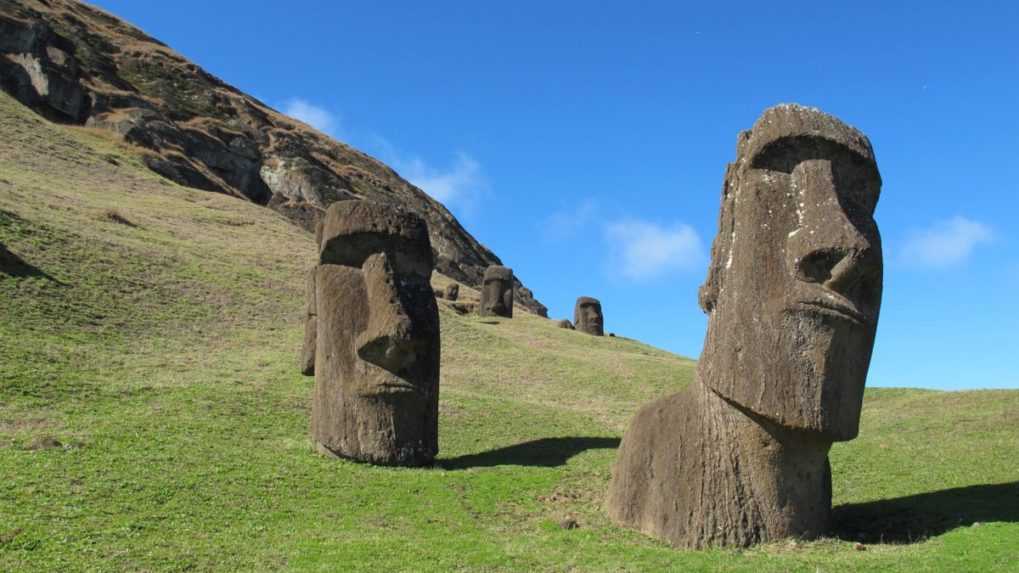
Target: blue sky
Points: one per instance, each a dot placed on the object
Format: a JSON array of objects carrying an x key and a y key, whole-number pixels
[{"x": 585, "y": 142}]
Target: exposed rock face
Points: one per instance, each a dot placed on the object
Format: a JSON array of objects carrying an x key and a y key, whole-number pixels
[
  {"x": 497, "y": 292},
  {"x": 73, "y": 63},
  {"x": 377, "y": 357},
  {"x": 307, "y": 359},
  {"x": 793, "y": 294},
  {"x": 587, "y": 316}
]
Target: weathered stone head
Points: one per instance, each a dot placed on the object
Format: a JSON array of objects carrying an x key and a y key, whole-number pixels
[
  {"x": 793, "y": 293},
  {"x": 377, "y": 349},
  {"x": 497, "y": 292},
  {"x": 587, "y": 316},
  {"x": 794, "y": 287},
  {"x": 452, "y": 291}
]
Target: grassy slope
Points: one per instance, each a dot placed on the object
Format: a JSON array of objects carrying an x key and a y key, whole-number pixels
[{"x": 162, "y": 358}]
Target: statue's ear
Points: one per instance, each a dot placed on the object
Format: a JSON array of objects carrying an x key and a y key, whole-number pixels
[{"x": 722, "y": 245}]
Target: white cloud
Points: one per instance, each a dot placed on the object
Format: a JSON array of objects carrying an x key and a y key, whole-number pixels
[
  {"x": 311, "y": 114},
  {"x": 641, "y": 250},
  {"x": 945, "y": 243},
  {"x": 461, "y": 185},
  {"x": 461, "y": 182},
  {"x": 568, "y": 223}
]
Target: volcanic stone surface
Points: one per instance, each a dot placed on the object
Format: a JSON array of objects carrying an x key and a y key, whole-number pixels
[
  {"x": 793, "y": 294},
  {"x": 307, "y": 359},
  {"x": 497, "y": 292},
  {"x": 74, "y": 63},
  {"x": 376, "y": 395},
  {"x": 587, "y": 316}
]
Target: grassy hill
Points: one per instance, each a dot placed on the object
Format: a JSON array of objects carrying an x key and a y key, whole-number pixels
[{"x": 152, "y": 416}]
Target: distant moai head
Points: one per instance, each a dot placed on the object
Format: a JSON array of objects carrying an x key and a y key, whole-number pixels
[
  {"x": 452, "y": 291},
  {"x": 377, "y": 349},
  {"x": 794, "y": 287},
  {"x": 497, "y": 292},
  {"x": 587, "y": 316}
]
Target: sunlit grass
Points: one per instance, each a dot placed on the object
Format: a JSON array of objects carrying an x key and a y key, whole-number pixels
[{"x": 152, "y": 416}]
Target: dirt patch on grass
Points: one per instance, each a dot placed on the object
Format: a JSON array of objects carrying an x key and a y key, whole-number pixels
[
  {"x": 9, "y": 426},
  {"x": 115, "y": 217}
]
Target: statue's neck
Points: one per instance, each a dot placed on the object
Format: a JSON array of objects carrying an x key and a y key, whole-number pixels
[{"x": 778, "y": 480}]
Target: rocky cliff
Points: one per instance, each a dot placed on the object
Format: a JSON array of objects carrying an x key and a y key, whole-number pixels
[{"x": 73, "y": 63}]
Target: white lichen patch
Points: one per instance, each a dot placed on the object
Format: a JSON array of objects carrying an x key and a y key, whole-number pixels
[{"x": 33, "y": 68}]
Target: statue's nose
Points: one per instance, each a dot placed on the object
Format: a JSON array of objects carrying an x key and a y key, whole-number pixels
[
  {"x": 827, "y": 247},
  {"x": 387, "y": 340}
]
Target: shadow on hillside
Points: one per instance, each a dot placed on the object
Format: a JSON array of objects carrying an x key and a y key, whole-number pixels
[
  {"x": 914, "y": 518},
  {"x": 15, "y": 266},
  {"x": 546, "y": 452}
]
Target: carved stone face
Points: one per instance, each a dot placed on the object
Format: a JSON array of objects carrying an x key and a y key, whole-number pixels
[
  {"x": 497, "y": 292},
  {"x": 588, "y": 317},
  {"x": 795, "y": 284},
  {"x": 377, "y": 355}
]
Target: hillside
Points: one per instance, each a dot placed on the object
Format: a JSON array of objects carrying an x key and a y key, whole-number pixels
[
  {"x": 76, "y": 64},
  {"x": 152, "y": 416}
]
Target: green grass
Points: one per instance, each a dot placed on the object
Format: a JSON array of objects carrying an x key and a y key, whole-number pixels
[{"x": 152, "y": 416}]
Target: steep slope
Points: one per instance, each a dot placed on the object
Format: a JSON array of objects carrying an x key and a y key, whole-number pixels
[
  {"x": 74, "y": 63},
  {"x": 152, "y": 417}
]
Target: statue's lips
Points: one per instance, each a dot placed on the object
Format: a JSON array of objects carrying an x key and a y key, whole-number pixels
[
  {"x": 834, "y": 308},
  {"x": 387, "y": 382},
  {"x": 396, "y": 388}
]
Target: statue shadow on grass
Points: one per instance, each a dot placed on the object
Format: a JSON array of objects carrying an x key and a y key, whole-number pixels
[
  {"x": 14, "y": 266},
  {"x": 915, "y": 518},
  {"x": 545, "y": 452}
]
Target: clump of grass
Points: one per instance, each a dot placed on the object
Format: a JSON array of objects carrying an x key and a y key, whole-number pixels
[{"x": 113, "y": 216}]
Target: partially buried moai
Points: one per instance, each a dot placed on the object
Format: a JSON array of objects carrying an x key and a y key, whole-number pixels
[
  {"x": 376, "y": 396},
  {"x": 307, "y": 359},
  {"x": 497, "y": 292},
  {"x": 587, "y": 316},
  {"x": 793, "y": 292}
]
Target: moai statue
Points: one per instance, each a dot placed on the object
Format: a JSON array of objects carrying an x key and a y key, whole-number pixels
[
  {"x": 588, "y": 317},
  {"x": 376, "y": 393},
  {"x": 307, "y": 361},
  {"x": 452, "y": 291},
  {"x": 793, "y": 293},
  {"x": 565, "y": 324},
  {"x": 497, "y": 292}
]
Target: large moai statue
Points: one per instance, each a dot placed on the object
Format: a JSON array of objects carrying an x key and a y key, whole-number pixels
[
  {"x": 793, "y": 293},
  {"x": 376, "y": 395},
  {"x": 497, "y": 292},
  {"x": 587, "y": 316}
]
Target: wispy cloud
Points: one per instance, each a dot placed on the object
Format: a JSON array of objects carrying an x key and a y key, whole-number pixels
[
  {"x": 642, "y": 250},
  {"x": 945, "y": 243},
  {"x": 313, "y": 115},
  {"x": 461, "y": 184},
  {"x": 568, "y": 223},
  {"x": 462, "y": 181}
]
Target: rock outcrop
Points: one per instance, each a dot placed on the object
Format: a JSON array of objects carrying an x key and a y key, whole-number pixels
[
  {"x": 793, "y": 293},
  {"x": 76, "y": 64}
]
